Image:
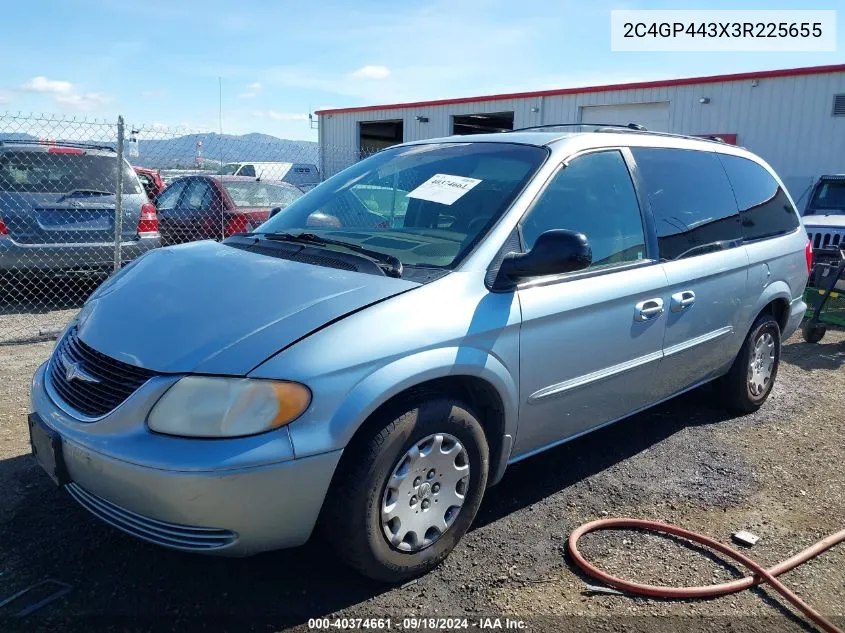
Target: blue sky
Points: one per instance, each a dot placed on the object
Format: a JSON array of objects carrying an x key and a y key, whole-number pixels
[{"x": 158, "y": 62}]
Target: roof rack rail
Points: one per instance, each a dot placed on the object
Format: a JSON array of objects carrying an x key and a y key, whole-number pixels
[
  {"x": 57, "y": 143},
  {"x": 710, "y": 138},
  {"x": 624, "y": 126}
]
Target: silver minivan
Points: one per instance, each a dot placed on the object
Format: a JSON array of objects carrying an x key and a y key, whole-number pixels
[{"x": 372, "y": 369}]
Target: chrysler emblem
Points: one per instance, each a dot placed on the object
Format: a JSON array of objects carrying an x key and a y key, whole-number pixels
[{"x": 74, "y": 372}]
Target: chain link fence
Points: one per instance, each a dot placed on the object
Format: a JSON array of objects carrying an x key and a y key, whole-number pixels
[{"x": 72, "y": 211}]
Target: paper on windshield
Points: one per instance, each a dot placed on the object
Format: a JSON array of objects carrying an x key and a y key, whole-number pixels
[{"x": 444, "y": 188}]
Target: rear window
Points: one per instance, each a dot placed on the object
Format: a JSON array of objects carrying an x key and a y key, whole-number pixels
[
  {"x": 829, "y": 196},
  {"x": 691, "y": 199},
  {"x": 764, "y": 207},
  {"x": 41, "y": 172},
  {"x": 260, "y": 194}
]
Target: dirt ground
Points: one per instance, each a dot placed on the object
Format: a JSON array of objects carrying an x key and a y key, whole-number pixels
[{"x": 777, "y": 473}]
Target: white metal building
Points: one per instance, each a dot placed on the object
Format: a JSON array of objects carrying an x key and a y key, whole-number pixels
[{"x": 793, "y": 118}]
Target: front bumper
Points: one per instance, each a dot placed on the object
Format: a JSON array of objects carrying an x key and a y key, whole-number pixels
[{"x": 232, "y": 497}]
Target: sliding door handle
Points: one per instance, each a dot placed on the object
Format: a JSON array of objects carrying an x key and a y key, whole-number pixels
[
  {"x": 648, "y": 309},
  {"x": 682, "y": 300}
]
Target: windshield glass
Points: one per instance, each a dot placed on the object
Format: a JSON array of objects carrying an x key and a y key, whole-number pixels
[
  {"x": 250, "y": 193},
  {"x": 426, "y": 205},
  {"x": 830, "y": 196}
]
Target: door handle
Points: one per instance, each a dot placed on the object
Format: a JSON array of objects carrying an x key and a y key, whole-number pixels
[
  {"x": 648, "y": 309},
  {"x": 682, "y": 300}
]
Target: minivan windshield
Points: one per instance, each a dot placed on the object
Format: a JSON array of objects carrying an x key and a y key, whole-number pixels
[
  {"x": 828, "y": 199},
  {"x": 426, "y": 205}
]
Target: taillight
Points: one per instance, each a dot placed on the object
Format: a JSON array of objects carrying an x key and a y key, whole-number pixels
[
  {"x": 4, "y": 232},
  {"x": 245, "y": 222},
  {"x": 148, "y": 222},
  {"x": 808, "y": 253},
  {"x": 238, "y": 223}
]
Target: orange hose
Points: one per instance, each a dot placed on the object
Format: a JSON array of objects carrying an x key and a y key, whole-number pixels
[{"x": 760, "y": 574}]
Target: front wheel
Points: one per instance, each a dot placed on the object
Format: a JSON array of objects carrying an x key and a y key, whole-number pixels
[
  {"x": 406, "y": 492},
  {"x": 750, "y": 380}
]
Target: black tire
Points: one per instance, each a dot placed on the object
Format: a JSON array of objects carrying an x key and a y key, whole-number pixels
[
  {"x": 735, "y": 390},
  {"x": 351, "y": 519},
  {"x": 813, "y": 332}
]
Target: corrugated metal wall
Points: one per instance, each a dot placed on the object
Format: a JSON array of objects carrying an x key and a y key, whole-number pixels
[{"x": 786, "y": 120}]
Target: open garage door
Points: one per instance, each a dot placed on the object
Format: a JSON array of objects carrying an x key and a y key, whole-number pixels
[
  {"x": 377, "y": 135},
  {"x": 653, "y": 116},
  {"x": 482, "y": 123}
]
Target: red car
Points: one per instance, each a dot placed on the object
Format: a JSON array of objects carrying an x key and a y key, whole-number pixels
[
  {"x": 150, "y": 180},
  {"x": 215, "y": 207}
]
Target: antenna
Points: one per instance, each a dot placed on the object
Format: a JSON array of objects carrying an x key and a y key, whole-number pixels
[
  {"x": 220, "y": 103},
  {"x": 220, "y": 141}
]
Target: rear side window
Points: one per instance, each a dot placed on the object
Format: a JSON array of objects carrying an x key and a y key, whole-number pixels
[
  {"x": 247, "y": 170},
  {"x": 763, "y": 205},
  {"x": 44, "y": 172},
  {"x": 693, "y": 205}
]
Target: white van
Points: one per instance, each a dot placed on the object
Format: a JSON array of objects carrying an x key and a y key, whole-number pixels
[{"x": 300, "y": 174}]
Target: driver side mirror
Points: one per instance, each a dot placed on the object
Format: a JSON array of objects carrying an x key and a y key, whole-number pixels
[
  {"x": 555, "y": 252},
  {"x": 274, "y": 211}
]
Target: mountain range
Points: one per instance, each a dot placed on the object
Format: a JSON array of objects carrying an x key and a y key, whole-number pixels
[{"x": 181, "y": 151}]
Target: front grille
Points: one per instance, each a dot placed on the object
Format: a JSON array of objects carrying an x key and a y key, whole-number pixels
[
  {"x": 115, "y": 380},
  {"x": 173, "y": 535},
  {"x": 826, "y": 238}
]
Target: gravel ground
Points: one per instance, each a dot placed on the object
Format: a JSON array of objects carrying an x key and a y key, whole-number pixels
[
  {"x": 31, "y": 310},
  {"x": 777, "y": 473}
]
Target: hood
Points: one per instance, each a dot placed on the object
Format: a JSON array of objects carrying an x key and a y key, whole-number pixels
[
  {"x": 209, "y": 308},
  {"x": 834, "y": 219}
]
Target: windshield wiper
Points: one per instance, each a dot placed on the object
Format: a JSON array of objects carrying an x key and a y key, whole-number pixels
[
  {"x": 391, "y": 265},
  {"x": 93, "y": 192}
]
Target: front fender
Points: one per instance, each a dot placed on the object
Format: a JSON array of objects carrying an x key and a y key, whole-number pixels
[{"x": 316, "y": 436}]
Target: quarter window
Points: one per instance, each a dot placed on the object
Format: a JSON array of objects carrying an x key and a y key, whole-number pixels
[
  {"x": 691, "y": 199},
  {"x": 169, "y": 198},
  {"x": 764, "y": 206},
  {"x": 199, "y": 195},
  {"x": 592, "y": 195}
]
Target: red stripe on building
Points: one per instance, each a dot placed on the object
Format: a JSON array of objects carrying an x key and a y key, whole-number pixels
[{"x": 686, "y": 81}]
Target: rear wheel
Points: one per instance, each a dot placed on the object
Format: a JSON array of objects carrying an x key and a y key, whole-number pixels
[
  {"x": 750, "y": 380},
  {"x": 406, "y": 493}
]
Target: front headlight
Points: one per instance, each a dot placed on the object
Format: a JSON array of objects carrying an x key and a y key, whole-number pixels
[{"x": 201, "y": 406}]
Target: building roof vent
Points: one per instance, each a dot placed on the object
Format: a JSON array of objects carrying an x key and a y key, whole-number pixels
[{"x": 838, "y": 105}]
